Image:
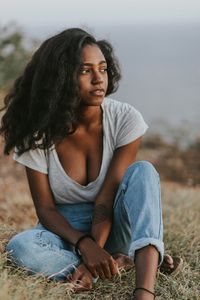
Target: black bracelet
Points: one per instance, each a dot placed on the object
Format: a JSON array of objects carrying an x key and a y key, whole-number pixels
[
  {"x": 144, "y": 289},
  {"x": 79, "y": 240}
]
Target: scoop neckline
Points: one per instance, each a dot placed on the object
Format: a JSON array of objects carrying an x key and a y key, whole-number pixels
[{"x": 102, "y": 161}]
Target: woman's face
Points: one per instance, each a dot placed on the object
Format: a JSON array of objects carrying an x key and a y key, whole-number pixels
[{"x": 93, "y": 77}]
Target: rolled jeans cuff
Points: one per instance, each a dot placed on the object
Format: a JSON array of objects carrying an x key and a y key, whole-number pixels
[{"x": 138, "y": 244}]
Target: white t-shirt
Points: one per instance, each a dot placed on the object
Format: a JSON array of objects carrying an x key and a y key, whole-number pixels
[{"x": 122, "y": 124}]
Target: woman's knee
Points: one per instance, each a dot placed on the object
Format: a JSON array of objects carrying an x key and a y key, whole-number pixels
[
  {"x": 142, "y": 166},
  {"x": 20, "y": 246},
  {"x": 143, "y": 170},
  {"x": 141, "y": 180},
  {"x": 41, "y": 251}
]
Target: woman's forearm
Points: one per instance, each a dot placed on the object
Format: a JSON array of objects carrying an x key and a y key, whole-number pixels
[
  {"x": 55, "y": 222},
  {"x": 101, "y": 224}
]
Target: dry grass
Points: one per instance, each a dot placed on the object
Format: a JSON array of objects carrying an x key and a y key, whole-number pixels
[{"x": 181, "y": 207}]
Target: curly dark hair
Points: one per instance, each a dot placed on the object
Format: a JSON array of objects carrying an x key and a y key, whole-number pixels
[{"x": 42, "y": 107}]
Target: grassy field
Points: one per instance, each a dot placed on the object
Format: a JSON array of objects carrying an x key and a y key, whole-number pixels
[{"x": 181, "y": 211}]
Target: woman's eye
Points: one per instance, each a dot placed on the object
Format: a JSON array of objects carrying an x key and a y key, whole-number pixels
[
  {"x": 88, "y": 71},
  {"x": 85, "y": 71},
  {"x": 103, "y": 70}
]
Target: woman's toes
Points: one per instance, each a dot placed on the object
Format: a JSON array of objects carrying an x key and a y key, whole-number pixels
[
  {"x": 169, "y": 260},
  {"x": 124, "y": 261}
]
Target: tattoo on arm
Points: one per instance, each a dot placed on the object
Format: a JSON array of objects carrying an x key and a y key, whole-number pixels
[{"x": 101, "y": 214}]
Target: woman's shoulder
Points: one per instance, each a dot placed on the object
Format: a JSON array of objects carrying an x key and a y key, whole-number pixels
[
  {"x": 117, "y": 108},
  {"x": 116, "y": 105},
  {"x": 36, "y": 158}
]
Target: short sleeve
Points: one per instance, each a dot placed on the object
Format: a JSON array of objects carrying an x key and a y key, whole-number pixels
[
  {"x": 33, "y": 159},
  {"x": 131, "y": 126}
]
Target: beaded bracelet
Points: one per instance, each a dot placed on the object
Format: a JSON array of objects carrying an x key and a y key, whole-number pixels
[{"x": 79, "y": 240}]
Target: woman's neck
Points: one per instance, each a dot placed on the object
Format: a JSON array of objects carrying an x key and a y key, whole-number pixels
[{"x": 90, "y": 116}]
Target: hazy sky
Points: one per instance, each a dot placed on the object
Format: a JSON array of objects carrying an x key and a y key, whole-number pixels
[
  {"x": 161, "y": 63},
  {"x": 44, "y": 13}
]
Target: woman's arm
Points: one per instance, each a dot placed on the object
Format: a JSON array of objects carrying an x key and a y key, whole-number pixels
[
  {"x": 46, "y": 210},
  {"x": 94, "y": 257},
  {"x": 102, "y": 217}
]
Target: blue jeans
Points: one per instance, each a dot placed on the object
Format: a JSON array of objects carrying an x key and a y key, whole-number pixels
[{"x": 137, "y": 222}]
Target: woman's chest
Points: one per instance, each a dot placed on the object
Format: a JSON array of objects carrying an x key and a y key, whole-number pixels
[{"x": 81, "y": 155}]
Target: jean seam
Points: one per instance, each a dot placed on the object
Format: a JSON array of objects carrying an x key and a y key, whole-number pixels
[{"x": 159, "y": 202}]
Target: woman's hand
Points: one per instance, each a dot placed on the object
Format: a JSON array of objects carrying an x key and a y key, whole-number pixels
[
  {"x": 81, "y": 279},
  {"x": 98, "y": 261}
]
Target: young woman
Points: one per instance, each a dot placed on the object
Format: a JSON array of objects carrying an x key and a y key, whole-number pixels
[{"x": 96, "y": 206}]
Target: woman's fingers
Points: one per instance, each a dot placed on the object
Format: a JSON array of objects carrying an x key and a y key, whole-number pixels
[
  {"x": 82, "y": 279},
  {"x": 100, "y": 263},
  {"x": 93, "y": 270},
  {"x": 106, "y": 269},
  {"x": 100, "y": 272},
  {"x": 114, "y": 267}
]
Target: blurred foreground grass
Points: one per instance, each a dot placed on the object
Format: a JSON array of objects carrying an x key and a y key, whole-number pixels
[{"x": 181, "y": 207}]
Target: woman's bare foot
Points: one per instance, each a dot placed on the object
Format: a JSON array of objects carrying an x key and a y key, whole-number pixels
[
  {"x": 169, "y": 265},
  {"x": 123, "y": 261},
  {"x": 168, "y": 260}
]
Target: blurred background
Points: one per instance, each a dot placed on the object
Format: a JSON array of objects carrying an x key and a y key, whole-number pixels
[{"x": 158, "y": 45}]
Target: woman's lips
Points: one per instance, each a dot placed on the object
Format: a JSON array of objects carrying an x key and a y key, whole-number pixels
[{"x": 98, "y": 92}]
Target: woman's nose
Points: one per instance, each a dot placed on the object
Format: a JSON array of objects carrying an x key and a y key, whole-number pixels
[{"x": 97, "y": 77}]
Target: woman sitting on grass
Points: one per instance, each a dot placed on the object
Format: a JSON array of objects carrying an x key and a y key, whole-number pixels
[{"x": 98, "y": 209}]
